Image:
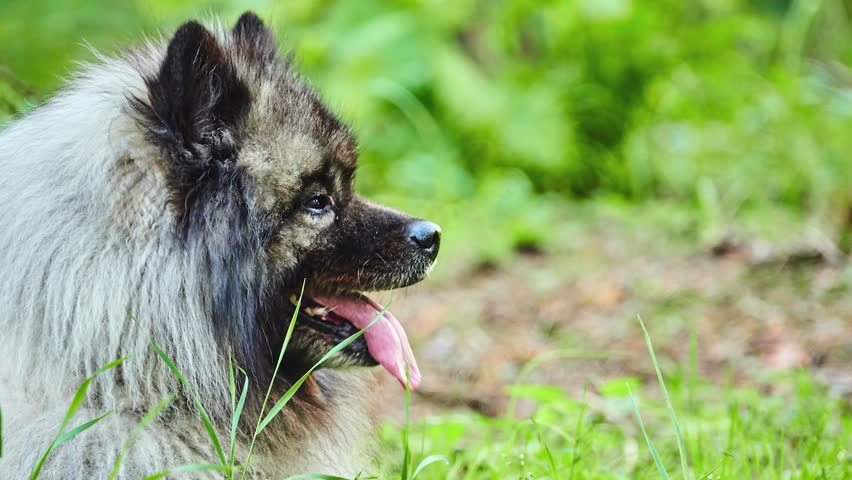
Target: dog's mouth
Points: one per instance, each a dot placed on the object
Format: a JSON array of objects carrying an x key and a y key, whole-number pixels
[{"x": 384, "y": 341}]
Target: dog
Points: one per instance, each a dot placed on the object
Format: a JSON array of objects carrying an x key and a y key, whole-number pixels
[{"x": 184, "y": 193}]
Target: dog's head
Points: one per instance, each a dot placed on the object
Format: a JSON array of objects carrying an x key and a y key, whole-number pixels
[{"x": 260, "y": 178}]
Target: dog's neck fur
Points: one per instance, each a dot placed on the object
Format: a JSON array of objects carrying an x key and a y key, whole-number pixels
[{"x": 84, "y": 187}]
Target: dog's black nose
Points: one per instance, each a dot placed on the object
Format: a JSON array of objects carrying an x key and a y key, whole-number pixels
[{"x": 425, "y": 235}]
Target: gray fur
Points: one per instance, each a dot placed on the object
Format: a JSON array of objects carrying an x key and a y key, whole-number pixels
[{"x": 89, "y": 231}]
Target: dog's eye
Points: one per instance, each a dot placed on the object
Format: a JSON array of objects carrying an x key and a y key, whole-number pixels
[{"x": 318, "y": 202}]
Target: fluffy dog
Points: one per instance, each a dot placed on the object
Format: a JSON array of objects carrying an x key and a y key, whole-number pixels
[{"x": 196, "y": 183}]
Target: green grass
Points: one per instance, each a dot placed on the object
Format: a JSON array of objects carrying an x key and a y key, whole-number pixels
[
  {"x": 128, "y": 444},
  {"x": 718, "y": 432},
  {"x": 62, "y": 435},
  {"x": 708, "y": 430}
]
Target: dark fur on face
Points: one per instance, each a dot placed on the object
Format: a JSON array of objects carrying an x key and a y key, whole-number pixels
[
  {"x": 195, "y": 105},
  {"x": 260, "y": 175}
]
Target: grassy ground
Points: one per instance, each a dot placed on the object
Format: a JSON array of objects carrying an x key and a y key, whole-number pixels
[
  {"x": 728, "y": 432},
  {"x": 529, "y": 363}
]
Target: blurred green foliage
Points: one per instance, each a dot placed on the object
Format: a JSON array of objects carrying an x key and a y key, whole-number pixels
[{"x": 491, "y": 113}]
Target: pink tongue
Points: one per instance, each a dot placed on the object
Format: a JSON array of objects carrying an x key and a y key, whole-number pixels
[{"x": 386, "y": 340}]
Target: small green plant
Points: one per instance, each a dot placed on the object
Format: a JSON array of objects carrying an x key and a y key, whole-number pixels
[
  {"x": 236, "y": 410},
  {"x": 205, "y": 418},
  {"x": 229, "y": 466},
  {"x": 735, "y": 433},
  {"x": 409, "y": 472},
  {"x": 148, "y": 418},
  {"x": 62, "y": 436},
  {"x": 680, "y": 444}
]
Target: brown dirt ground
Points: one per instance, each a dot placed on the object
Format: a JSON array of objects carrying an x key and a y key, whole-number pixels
[{"x": 755, "y": 310}]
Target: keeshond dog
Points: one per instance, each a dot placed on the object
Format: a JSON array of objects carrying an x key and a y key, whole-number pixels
[{"x": 195, "y": 183}]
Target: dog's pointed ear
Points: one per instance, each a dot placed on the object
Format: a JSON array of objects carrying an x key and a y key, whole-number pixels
[
  {"x": 254, "y": 38},
  {"x": 195, "y": 91}
]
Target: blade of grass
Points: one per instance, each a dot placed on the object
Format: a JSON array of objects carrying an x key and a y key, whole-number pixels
[
  {"x": 150, "y": 416},
  {"x": 422, "y": 448},
  {"x": 317, "y": 476},
  {"x": 235, "y": 420},
  {"x": 429, "y": 461},
  {"x": 577, "y": 431},
  {"x": 693, "y": 368},
  {"x": 515, "y": 431},
  {"x": 205, "y": 418},
  {"x": 734, "y": 420},
  {"x": 282, "y": 402},
  {"x": 76, "y": 401},
  {"x": 68, "y": 436},
  {"x": 680, "y": 445},
  {"x": 190, "y": 467},
  {"x": 555, "y": 429},
  {"x": 287, "y": 337},
  {"x": 653, "y": 449},
  {"x": 292, "y": 390},
  {"x": 554, "y": 472},
  {"x": 81, "y": 428},
  {"x": 406, "y": 447},
  {"x": 232, "y": 385},
  {"x": 232, "y": 389}
]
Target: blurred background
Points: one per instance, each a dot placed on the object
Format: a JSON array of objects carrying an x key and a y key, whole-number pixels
[
  {"x": 589, "y": 160},
  {"x": 504, "y": 112}
]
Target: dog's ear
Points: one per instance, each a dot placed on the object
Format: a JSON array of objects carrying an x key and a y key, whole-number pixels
[
  {"x": 254, "y": 38},
  {"x": 195, "y": 93},
  {"x": 194, "y": 104}
]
